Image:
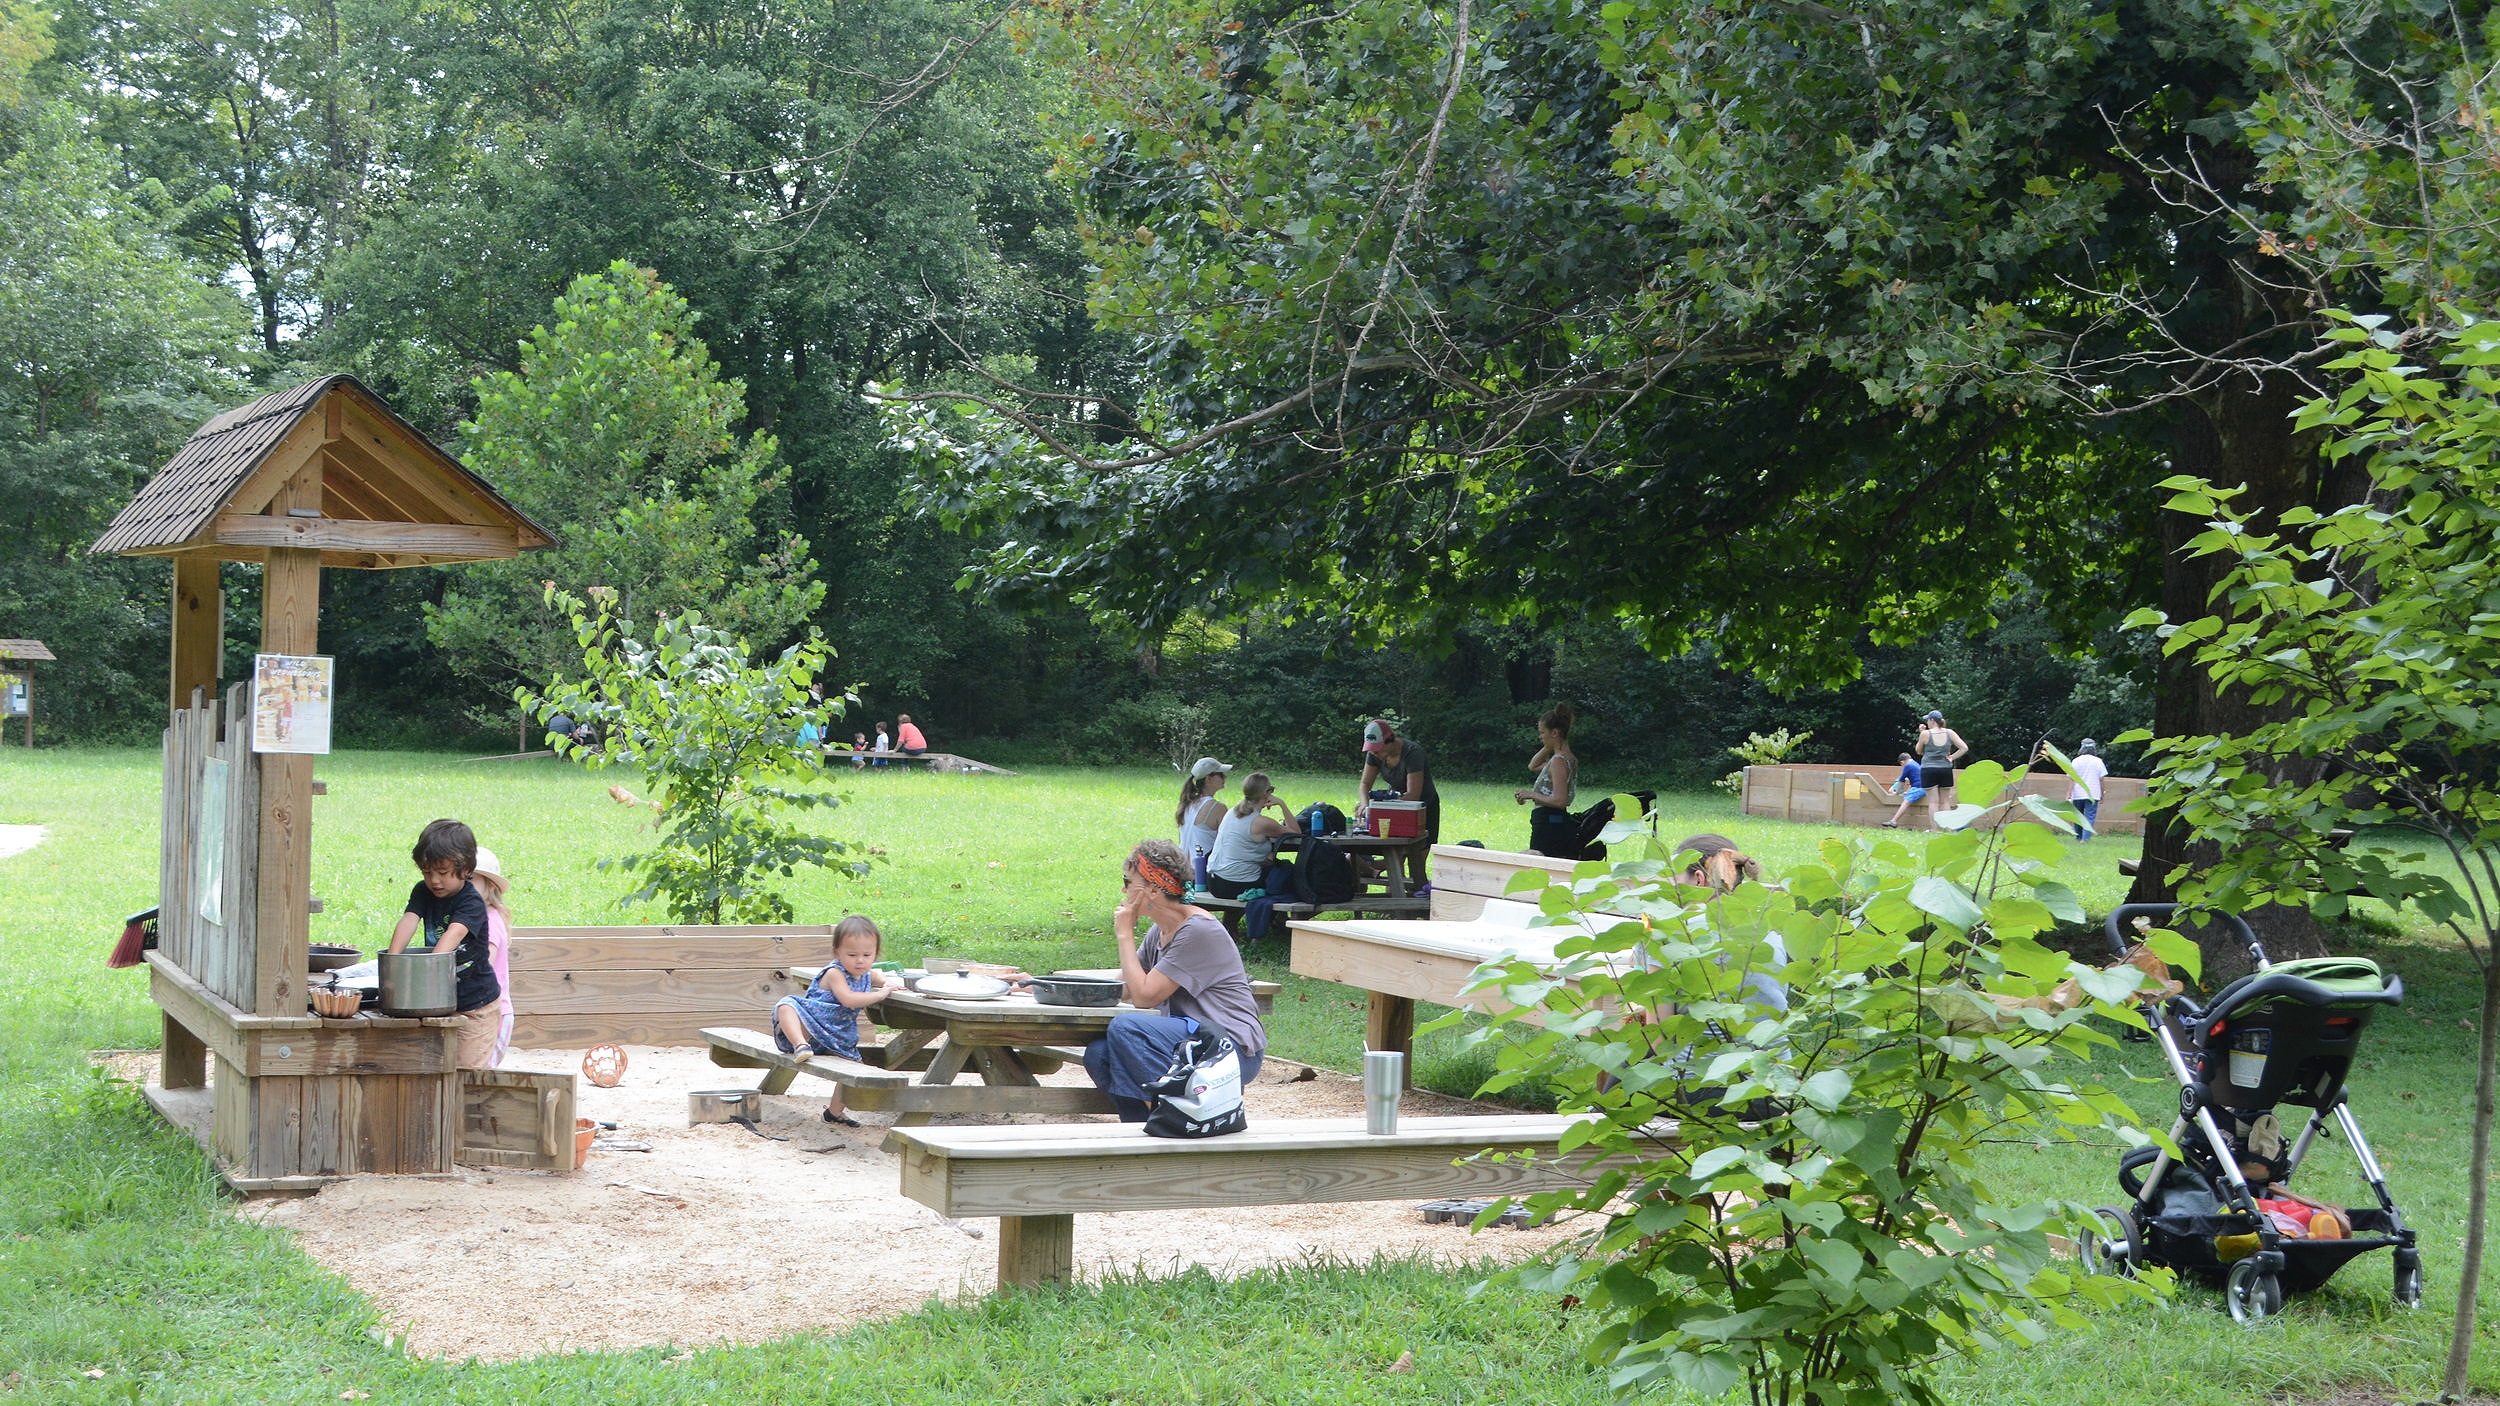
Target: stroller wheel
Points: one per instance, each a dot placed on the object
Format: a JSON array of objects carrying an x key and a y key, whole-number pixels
[
  {"x": 2112, "y": 1242},
  {"x": 2408, "y": 1284},
  {"x": 2253, "y": 1297}
]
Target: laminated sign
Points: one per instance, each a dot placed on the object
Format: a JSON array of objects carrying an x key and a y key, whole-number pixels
[{"x": 291, "y": 703}]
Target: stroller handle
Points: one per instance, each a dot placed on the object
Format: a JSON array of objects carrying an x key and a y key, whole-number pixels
[{"x": 2126, "y": 913}]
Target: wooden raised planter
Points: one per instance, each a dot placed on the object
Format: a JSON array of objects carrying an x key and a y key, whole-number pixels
[{"x": 1832, "y": 793}]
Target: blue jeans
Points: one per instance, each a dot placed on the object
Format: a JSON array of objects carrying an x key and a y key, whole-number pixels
[
  {"x": 2091, "y": 813},
  {"x": 1138, "y": 1048}
]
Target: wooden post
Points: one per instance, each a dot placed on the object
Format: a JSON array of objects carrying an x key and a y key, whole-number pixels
[
  {"x": 185, "y": 1065},
  {"x": 199, "y": 628},
  {"x": 1389, "y": 1024},
  {"x": 1036, "y": 1250},
  {"x": 289, "y": 624},
  {"x": 30, "y": 705}
]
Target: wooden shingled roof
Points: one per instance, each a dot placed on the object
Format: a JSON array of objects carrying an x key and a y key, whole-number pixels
[
  {"x": 31, "y": 650},
  {"x": 390, "y": 496}
]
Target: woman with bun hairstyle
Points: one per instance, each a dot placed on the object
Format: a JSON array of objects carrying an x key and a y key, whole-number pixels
[
  {"x": 1245, "y": 841},
  {"x": 1552, "y": 829}
]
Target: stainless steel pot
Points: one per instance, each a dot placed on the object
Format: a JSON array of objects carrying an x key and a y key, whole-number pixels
[{"x": 420, "y": 983}]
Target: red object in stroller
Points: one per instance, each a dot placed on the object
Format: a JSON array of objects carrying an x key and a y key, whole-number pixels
[{"x": 2284, "y": 1035}]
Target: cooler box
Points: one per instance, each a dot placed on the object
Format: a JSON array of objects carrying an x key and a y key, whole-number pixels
[{"x": 1397, "y": 820}]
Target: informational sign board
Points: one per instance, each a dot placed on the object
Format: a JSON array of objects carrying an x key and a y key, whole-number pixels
[
  {"x": 14, "y": 697},
  {"x": 291, "y": 703}
]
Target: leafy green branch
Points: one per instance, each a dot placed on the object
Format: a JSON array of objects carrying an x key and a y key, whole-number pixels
[{"x": 716, "y": 738}]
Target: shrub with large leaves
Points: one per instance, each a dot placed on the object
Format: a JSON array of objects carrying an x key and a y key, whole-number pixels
[{"x": 1791, "y": 1201}]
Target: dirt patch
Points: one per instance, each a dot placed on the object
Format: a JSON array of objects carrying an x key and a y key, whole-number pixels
[{"x": 719, "y": 1235}]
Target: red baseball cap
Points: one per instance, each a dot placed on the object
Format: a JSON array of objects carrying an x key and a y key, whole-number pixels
[{"x": 1377, "y": 734}]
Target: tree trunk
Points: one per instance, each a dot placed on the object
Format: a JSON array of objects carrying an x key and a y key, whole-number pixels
[
  {"x": 2240, "y": 432},
  {"x": 2478, "y": 1184}
]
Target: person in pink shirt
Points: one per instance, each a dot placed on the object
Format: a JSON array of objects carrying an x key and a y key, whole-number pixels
[
  {"x": 913, "y": 743},
  {"x": 493, "y": 887}
]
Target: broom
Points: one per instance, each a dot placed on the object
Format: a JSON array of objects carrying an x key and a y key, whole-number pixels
[{"x": 138, "y": 935}]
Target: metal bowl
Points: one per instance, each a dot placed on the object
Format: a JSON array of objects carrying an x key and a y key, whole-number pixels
[
  {"x": 1076, "y": 991},
  {"x": 328, "y": 957}
]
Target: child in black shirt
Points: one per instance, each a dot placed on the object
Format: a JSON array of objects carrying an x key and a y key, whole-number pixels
[{"x": 447, "y": 907}]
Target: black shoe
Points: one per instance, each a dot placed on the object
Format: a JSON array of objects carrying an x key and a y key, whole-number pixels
[{"x": 842, "y": 1118}]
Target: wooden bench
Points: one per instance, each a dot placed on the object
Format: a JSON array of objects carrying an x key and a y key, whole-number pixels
[
  {"x": 893, "y": 1090},
  {"x": 1036, "y": 1179}
]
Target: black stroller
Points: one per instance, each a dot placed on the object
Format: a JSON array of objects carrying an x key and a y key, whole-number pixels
[{"x": 2284, "y": 1034}]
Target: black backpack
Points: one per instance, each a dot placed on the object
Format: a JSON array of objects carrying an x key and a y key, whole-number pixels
[
  {"x": 1325, "y": 874},
  {"x": 1320, "y": 818}
]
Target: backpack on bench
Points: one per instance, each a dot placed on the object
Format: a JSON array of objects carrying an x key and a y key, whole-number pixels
[{"x": 1324, "y": 876}]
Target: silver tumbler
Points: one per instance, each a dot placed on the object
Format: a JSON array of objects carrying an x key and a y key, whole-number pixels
[{"x": 1384, "y": 1078}]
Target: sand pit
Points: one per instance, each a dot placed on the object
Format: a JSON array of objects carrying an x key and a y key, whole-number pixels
[
  {"x": 17, "y": 839},
  {"x": 719, "y": 1235}
]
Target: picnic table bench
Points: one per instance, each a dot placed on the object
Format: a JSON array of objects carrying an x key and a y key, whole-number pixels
[
  {"x": 893, "y": 1090},
  {"x": 1037, "y": 1179}
]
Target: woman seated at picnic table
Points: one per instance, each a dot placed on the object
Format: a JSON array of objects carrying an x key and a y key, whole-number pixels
[
  {"x": 1185, "y": 968},
  {"x": 1245, "y": 840}
]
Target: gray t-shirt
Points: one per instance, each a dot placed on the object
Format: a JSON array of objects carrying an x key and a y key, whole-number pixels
[{"x": 1202, "y": 961}]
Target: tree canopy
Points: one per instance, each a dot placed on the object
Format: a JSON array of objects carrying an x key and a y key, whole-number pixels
[{"x": 618, "y": 423}]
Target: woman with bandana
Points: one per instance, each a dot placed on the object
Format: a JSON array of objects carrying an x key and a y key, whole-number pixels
[{"x": 1183, "y": 973}]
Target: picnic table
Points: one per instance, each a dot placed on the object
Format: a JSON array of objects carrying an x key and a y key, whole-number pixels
[
  {"x": 1397, "y": 964},
  {"x": 1002, "y": 1039},
  {"x": 1391, "y": 850}
]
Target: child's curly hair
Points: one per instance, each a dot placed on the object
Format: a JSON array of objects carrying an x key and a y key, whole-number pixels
[{"x": 446, "y": 842}]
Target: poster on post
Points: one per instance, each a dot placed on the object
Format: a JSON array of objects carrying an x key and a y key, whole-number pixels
[{"x": 291, "y": 703}]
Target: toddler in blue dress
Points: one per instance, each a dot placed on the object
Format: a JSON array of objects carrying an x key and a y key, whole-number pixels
[{"x": 824, "y": 1019}]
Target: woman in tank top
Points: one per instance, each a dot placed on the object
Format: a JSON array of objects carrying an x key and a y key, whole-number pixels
[
  {"x": 1245, "y": 842},
  {"x": 1198, "y": 815},
  {"x": 1938, "y": 748},
  {"x": 1552, "y": 829}
]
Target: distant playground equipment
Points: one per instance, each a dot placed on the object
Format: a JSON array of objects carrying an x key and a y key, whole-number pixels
[{"x": 1835, "y": 793}]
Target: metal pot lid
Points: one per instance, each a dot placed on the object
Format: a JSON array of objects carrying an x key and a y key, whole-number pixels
[{"x": 963, "y": 986}]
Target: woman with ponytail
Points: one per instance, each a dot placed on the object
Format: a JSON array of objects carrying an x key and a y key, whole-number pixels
[{"x": 1183, "y": 973}]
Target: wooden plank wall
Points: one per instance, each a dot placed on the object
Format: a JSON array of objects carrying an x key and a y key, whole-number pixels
[
  {"x": 577, "y": 987},
  {"x": 277, "y": 1127},
  {"x": 222, "y": 952},
  {"x": 174, "y": 858},
  {"x": 217, "y": 954}
]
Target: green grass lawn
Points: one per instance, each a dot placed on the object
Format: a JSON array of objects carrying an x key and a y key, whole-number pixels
[{"x": 118, "y": 1254}]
